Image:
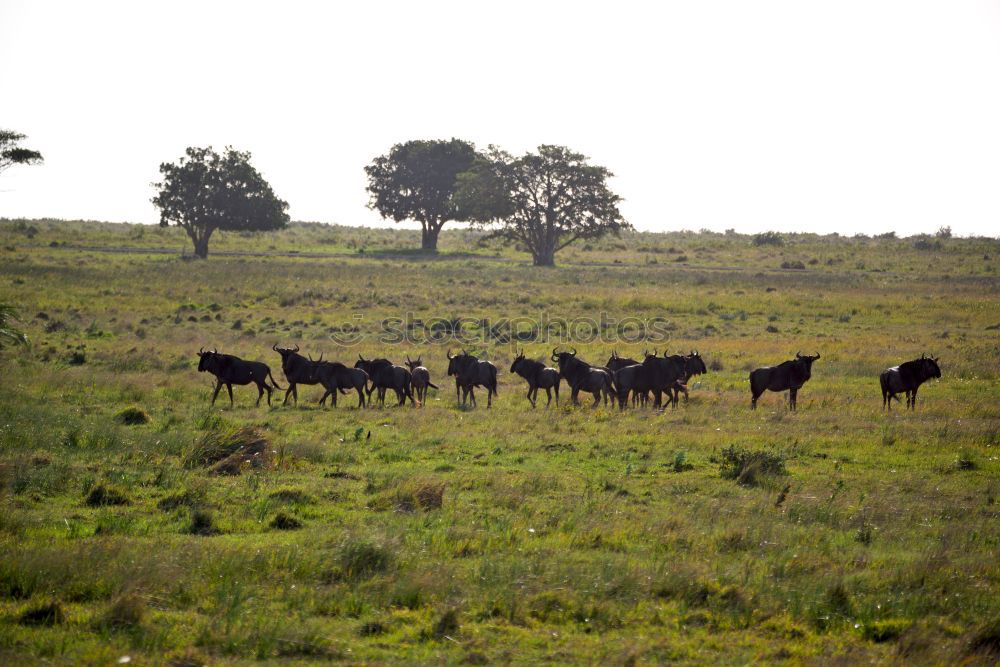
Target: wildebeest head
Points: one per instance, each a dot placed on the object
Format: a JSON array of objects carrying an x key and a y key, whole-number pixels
[
  {"x": 456, "y": 362},
  {"x": 807, "y": 359},
  {"x": 207, "y": 360},
  {"x": 285, "y": 352},
  {"x": 929, "y": 366},
  {"x": 411, "y": 364},
  {"x": 517, "y": 361},
  {"x": 694, "y": 364},
  {"x": 563, "y": 358}
]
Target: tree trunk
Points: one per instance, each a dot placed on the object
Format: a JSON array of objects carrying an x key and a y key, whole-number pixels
[
  {"x": 429, "y": 237},
  {"x": 544, "y": 256},
  {"x": 201, "y": 247}
]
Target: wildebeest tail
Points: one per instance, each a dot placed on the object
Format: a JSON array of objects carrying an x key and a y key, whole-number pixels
[
  {"x": 431, "y": 384},
  {"x": 276, "y": 385},
  {"x": 493, "y": 373}
]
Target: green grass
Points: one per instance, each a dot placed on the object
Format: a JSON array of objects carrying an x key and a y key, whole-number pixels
[{"x": 509, "y": 535}]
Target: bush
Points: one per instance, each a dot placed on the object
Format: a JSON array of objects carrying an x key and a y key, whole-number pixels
[
  {"x": 102, "y": 496},
  {"x": 748, "y": 466},
  {"x": 360, "y": 559},
  {"x": 768, "y": 238},
  {"x": 924, "y": 243},
  {"x": 793, "y": 265},
  {"x": 885, "y": 630},
  {"x": 132, "y": 417},
  {"x": 125, "y": 612},
  {"x": 202, "y": 523},
  {"x": 282, "y": 521},
  {"x": 47, "y": 613}
]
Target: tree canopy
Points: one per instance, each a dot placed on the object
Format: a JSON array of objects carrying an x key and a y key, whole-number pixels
[
  {"x": 544, "y": 200},
  {"x": 8, "y": 332},
  {"x": 205, "y": 191},
  {"x": 12, "y": 153},
  {"x": 417, "y": 180}
]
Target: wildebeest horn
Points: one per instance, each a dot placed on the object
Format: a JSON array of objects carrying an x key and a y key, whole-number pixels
[
  {"x": 201, "y": 350},
  {"x": 275, "y": 347},
  {"x": 360, "y": 358},
  {"x": 296, "y": 347},
  {"x": 408, "y": 359},
  {"x": 798, "y": 354},
  {"x": 320, "y": 357},
  {"x": 922, "y": 355},
  {"x": 573, "y": 352},
  {"x": 448, "y": 354},
  {"x": 555, "y": 357},
  {"x": 817, "y": 355}
]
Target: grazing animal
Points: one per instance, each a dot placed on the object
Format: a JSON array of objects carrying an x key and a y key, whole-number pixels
[
  {"x": 907, "y": 378},
  {"x": 581, "y": 376},
  {"x": 663, "y": 374},
  {"x": 615, "y": 364},
  {"x": 334, "y": 375},
  {"x": 692, "y": 364},
  {"x": 297, "y": 369},
  {"x": 790, "y": 375},
  {"x": 420, "y": 378},
  {"x": 539, "y": 376},
  {"x": 229, "y": 370},
  {"x": 386, "y": 375},
  {"x": 634, "y": 379},
  {"x": 471, "y": 372}
]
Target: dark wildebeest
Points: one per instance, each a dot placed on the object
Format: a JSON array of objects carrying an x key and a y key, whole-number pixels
[
  {"x": 790, "y": 375},
  {"x": 663, "y": 374},
  {"x": 471, "y": 372},
  {"x": 692, "y": 364},
  {"x": 633, "y": 379},
  {"x": 229, "y": 370},
  {"x": 297, "y": 369},
  {"x": 615, "y": 364},
  {"x": 581, "y": 376},
  {"x": 420, "y": 378},
  {"x": 334, "y": 375},
  {"x": 539, "y": 376},
  {"x": 386, "y": 375},
  {"x": 907, "y": 377}
]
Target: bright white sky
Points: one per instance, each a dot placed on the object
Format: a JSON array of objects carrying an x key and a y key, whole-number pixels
[{"x": 846, "y": 115}]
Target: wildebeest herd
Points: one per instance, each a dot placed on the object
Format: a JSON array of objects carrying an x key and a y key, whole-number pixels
[{"x": 622, "y": 380}]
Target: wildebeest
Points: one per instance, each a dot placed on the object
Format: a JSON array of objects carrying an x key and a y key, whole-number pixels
[
  {"x": 663, "y": 374},
  {"x": 334, "y": 375},
  {"x": 907, "y": 377},
  {"x": 581, "y": 376},
  {"x": 420, "y": 378},
  {"x": 471, "y": 372},
  {"x": 691, "y": 365},
  {"x": 229, "y": 370},
  {"x": 790, "y": 375},
  {"x": 386, "y": 375},
  {"x": 297, "y": 369},
  {"x": 615, "y": 364},
  {"x": 539, "y": 376},
  {"x": 633, "y": 379}
]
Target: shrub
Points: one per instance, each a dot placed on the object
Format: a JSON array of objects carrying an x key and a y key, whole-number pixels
[
  {"x": 282, "y": 521},
  {"x": 132, "y": 417},
  {"x": 102, "y": 496},
  {"x": 885, "y": 630},
  {"x": 793, "y": 265},
  {"x": 771, "y": 329},
  {"x": 964, "y": 461},
  {"x": 748, "y": 466},
  {"x": 924, "y": 243},
  {"x": 202, "y": 523},
  {"x": 768, "y": 238},
  {"x": 46, "y": 613},
  {"x": 230, "y": 452},
  {"x": 360, "y": 559}
]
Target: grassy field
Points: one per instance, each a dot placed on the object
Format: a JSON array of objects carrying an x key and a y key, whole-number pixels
[{"x": 441, "y": 534}]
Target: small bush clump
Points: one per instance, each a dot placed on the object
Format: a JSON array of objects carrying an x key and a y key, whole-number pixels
[
  {"x": 102, "y": 496},
  {"x": 202, "y": 523},
  {"x": 132, "y": 417},
  {"x": 282, "y": 521},
  {"x": 768, "y": 238},
  {"x": 796, "y": 264},
  {"x": 748, "y": 466}
]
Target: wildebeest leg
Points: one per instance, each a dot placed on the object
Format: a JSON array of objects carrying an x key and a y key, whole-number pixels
[
  {"x": 215, "y": 395},
  {"x": 791, "y": 398},
  {"x": 268, "y": 387},
  {"x": 548, "y": 396},
  {"x": 597, "y": 399},
  {"x": 753, "y": 399},
  {"x": 913, "y": 401},
  {"x": 557, "y": 392},
  {"x": 529, "y": 396},
  {"x": 288, "y": 392},
  {"x": 260, "y": 394},
  {"x": 229, "y": 388},
  {"x": 361, "y": 397}
]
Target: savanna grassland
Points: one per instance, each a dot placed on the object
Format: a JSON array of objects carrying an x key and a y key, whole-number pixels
[{"x": 449, "y": 535}]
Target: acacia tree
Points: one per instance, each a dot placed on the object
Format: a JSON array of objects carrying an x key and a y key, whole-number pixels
[
  {"x": 417, "y": 181},
  {"x": 11, "y": 153},
  {"x": 205, "y": 191},
  {"x": 545, "y": 201}
]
